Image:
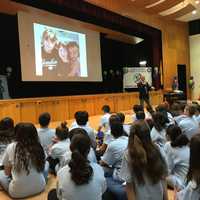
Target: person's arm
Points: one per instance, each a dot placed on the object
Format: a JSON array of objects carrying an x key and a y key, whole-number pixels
[
  {"x": 7, "y": 170},
  {"x": 165, "y": 193},
  {"x": 130, "y": 191}
]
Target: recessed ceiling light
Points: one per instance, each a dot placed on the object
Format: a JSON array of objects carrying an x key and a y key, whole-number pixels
[
  {"x": 194, "y": 12},
  {"x": 197, "y": 2}
]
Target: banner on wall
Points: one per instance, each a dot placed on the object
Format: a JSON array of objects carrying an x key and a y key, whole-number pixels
[{"x": 131, "y": 76}]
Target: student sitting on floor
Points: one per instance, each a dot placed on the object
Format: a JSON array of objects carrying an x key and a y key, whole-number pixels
[
  {"x": 6, "y": 135},
  {"x": 112, "y": 158},
  {"x": 192, "y": 190},
  {"x": 45, "y": 133},
  {"x": 82, "y": 122},
  {"x": 60, "y": 147},
  {"x": 137, "y": 108},
  {"x": 143, "y": 168},
  {"x": 177, "y": 156},
  {"x": 80, "y": 179},
  {"x": 24, "y": 163},
  {"x": 104, "y": 121}
]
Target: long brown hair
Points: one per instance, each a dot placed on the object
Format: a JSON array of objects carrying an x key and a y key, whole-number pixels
[
  {"x": 194, "y": 168},
  {"x": 145, "y": 157},
  {"x": 28, "y": 149}
]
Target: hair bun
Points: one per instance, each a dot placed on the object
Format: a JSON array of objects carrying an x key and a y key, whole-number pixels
[{"x": 64, "y": 124}]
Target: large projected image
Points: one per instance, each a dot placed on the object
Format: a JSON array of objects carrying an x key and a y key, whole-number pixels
[{"x": 59, "y": 52}]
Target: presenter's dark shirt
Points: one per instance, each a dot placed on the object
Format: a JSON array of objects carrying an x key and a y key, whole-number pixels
[{"x": 143, "y": 89}]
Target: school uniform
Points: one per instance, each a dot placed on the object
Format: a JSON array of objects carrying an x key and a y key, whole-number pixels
[
  {"x": 104, "y": 120},
  {"x": 179, "y": 118},
  {"x": 45, "y": 136},
  {"x": 21, "y": 184},
  {"x": 68, "y": 190},
  {"x": 144, "y": 191},
  {"x": 158, "y": 137},
  {"x": 191, "y": 192},
  {"x": 178, "y": 165},
  {"x": 189, "y": 127}
]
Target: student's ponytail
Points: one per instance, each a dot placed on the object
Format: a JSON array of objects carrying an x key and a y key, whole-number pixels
[{"x": 80, "y": 169}]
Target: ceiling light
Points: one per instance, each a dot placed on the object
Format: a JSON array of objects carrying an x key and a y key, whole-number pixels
[
  {"x": 194, "y": 12},
  {"x": 197, "y": 2}
]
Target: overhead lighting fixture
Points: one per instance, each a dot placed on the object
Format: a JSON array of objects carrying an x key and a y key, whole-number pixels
[
  {"x": 197, "y": 2},
  {"x": 143, "y": 63},
  {"x": 194, "y": 12}
]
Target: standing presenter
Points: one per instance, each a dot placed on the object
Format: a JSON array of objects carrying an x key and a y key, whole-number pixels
[{"x": 144, "y": 88}]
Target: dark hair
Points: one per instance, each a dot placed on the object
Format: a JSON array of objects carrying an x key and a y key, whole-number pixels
[
  {"x": 81, "y": 117},
  {"x": 145, "y": 157},
  {"x": 140, "y": 115},
  {"x": 76, "y": 131},
  {"x": 163, "y": 109},
  {"x": 194, "y": 167},
  {"x": 44, "y": 119},
  {"x": 6, "y": 130},
  {"x": 191, "y": 109},
  {"x": 150, "y": 109},
  {"x": 150, "y": 123},
  {"x": 80, "y": 169},
  {"x": 28, "y": 148},
  {"x": 116, "y": 126},
  {"x": 121, "y": 116},
  {"x": 137, "y": 108},
  {"x": 62, "y": 131},
  {"x": 178, "y": 139},
  {"x": 159, "y": 120},
  {"x": 106, "y": 108}
]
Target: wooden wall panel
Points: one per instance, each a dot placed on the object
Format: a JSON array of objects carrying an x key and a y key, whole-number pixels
[{"x": 28, "y": 112}]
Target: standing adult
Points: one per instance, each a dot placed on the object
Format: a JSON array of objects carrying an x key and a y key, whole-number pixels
[{"x": 144, "y": 88}]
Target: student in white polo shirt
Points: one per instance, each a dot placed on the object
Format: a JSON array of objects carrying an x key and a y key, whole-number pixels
[
  {"x": 104, "y": 121},
  {"x": 45, "y": 133},
  {"x": 112, "y": 157},
  {"x": 24, "y": 163},
  {"x": 177, "y": 157},
  {"x": 82, "y": 122},
  {"x": 192, "y": 190},
  {"x": 80, "y": 179}
]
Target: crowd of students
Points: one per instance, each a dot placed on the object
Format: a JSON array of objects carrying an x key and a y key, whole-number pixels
[{"x": 136, "y": 161}]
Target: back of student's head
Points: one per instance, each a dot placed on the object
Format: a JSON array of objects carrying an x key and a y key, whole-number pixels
[
  {"x": 140, "y": 115},
  {"x": 194, "y": 166},
  {"x": 44, "y": 119},
  {"x": 6, "y": 130},
  {"x": 76, "y": 131},
  {"x": 121, "y": 116},
  {"x": 159, "y": 120},
  {"x": 80, "y": 169},
  {"x": 145, "y": 158},
  {"x": 81, "y": 117},
  {"x": 190, "y": 110},
  {"x": 137, "y": 108},
  {"x": 28, "y": 148},
  {"x": 62, "y": 132},
  {"x": 177, "y": 138},
  {"x": 106, "y": 109},
  {"x": 116, "y": 126}
]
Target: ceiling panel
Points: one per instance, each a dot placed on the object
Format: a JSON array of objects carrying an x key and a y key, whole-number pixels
[
  {"x": 187, "y": 9},
  {"x": 165, "y": 5},
  {"x": 143, "y": 3}
]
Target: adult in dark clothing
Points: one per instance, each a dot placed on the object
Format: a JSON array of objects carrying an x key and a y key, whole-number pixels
[{"x": 144, "y": 88}]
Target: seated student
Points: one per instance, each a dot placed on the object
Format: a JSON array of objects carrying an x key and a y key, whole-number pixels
[
  {"x": 143, "y": 168},
  {"x": 80, "y": 179},
  {"x": 24, "y": 163},
  {"x": 158, "y": 132},
  {"x": 81, "y": 122},
  {"x": 189, "y": 125},
  {"x": 104, "y": 121},
  {"x": 44, "y": 132},
  {"x": 137, "y": 108},
  {"x": 60, "y": 146},
  {"x": 192, "y": 190},
  {"x": 67, "y": 156},
  {"x": 177, "y": 156},
  {"x": 6, "y": 135},
  {"x": 126, "y": 127},
  {"x": 178, "y": 110},
  {"x": 140, "y": 115},
  {"x": 112, "y": 158},
  {"x": 196, "y": 116}
]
